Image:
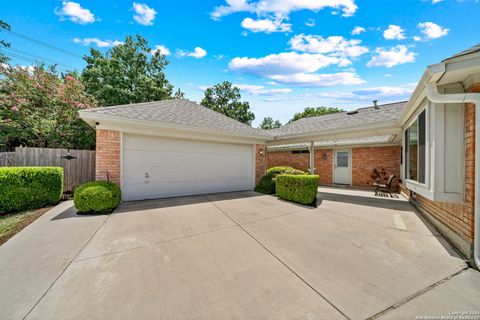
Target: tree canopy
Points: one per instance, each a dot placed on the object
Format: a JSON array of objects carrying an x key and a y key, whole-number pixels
[
  {"x": 128, "y": 73},
  {"x": 269, "y": 123},
  {"x": 314, "y": 112},
  {"x": 39, "y": 108},
  {"x": 225, "y": 98}
]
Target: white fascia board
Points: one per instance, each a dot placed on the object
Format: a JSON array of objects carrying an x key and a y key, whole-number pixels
[{"x": 167, "y": 130}]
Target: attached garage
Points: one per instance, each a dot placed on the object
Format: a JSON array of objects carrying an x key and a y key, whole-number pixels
[
  {"x": 156, "y": 167},
  {"x": 174, "y": 148}
]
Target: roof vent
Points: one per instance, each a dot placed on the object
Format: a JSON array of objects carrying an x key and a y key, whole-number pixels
[
  {"x": 375, "y": 105},
  {"x": 352, "y": 112}
]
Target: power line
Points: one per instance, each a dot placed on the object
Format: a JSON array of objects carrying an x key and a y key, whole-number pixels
[
  {"x": 14, "y": 50},
  {"x": 27, "y": 59},
  {"x": 44, "y": 44}
]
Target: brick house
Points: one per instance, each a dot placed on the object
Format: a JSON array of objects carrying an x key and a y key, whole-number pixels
[{"x": 177, "y": 147}]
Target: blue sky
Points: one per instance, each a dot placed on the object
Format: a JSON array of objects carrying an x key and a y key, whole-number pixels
[{"x": 285, "y": 55}]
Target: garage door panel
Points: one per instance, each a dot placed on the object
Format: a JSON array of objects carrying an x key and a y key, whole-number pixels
[{"x": 178, "y": 167}]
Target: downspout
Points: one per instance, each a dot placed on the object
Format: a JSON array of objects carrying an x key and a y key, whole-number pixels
[
  {"x": 434, "y": 96},
  {"x": 312, "y": 158}
]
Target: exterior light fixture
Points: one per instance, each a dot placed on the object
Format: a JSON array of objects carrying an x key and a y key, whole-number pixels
[{"x": 324, "y": 156}]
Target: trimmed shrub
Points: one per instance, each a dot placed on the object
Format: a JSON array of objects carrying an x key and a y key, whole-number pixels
[
  {"x": 267, "y": 183},
  {"x": 297, "y": 188},
  {"x": 28, "y": 188},
  {"x": 97, "y": 197}
]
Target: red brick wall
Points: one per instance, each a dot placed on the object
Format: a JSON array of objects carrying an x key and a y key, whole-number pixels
[
  {"x": 286, "y": 158},
  {"x": 260, "y": 162},
  {"x": 108, "y": 155},
  {"x": 365, "y": 159},
  {"x": 324, "y": 167}
]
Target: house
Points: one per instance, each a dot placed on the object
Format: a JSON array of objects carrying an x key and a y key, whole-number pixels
[{"x": 176, "y": 147}]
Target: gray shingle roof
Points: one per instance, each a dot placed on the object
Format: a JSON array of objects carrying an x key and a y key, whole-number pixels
[
  {"x": 180, "y": 112},
  {"x": 365, "y": 116}
]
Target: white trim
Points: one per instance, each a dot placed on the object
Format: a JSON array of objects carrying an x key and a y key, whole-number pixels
[
  {"x": 334, "y": 161},
  {"x": 121, "y": 162},
  {"x": 254, "y": 165}
]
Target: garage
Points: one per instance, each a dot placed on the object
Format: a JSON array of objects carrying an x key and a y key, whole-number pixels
[{"x": 157, "y": 167}]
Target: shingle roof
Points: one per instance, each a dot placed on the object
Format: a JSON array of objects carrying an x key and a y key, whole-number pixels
[
  {"x": 472, "y": 49},
  {"x": 364, "y": 116},
  {"x": 180, "y": 112}
]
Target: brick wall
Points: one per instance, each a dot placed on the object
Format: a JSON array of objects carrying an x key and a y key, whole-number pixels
[
  {"x": 324, "y": 167},
  {"x": 260, "y": 162},
  {"x": 108, "y": 155},
  {"x": 365, "y": 159},
  {"x": 286, "y": 158}
]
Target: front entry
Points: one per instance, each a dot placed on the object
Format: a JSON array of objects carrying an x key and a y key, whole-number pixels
[{"x": 342, "y": 167}]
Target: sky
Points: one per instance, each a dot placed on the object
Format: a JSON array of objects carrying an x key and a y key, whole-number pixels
[{"x": 284, "y": 55}]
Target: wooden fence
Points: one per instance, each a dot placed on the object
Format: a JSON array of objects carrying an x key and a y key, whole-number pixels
[{"x": 78, "y": 165}]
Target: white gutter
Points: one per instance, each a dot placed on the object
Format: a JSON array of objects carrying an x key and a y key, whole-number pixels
[{"x": 436, "y": 97}]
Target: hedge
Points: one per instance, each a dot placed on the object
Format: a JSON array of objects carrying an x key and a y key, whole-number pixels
[
  {"x": 297, "y": 188},
  {"x": 267, "y": 182},
  {"x": 97, "y": 197},
  {"x": 28, "y": 188}
]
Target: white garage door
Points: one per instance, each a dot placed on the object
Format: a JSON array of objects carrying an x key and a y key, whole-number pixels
[{"x": 156, "y": 167}]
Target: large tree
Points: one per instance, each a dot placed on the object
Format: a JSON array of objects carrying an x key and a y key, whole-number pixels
[
  {"x": 225, "y": 98},
  {"x": 269, "y": 123},
  {"x": 128, "y": 73},
  {"x": 3, "y": 43},
  {"x": 314, "y": 112},
  {"x": 39, "y": 108}
]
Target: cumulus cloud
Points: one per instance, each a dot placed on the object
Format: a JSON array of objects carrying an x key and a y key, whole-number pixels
[
  {"x": 161, "y": 49},
  {"x": 197, "y": 53},
  {"x": 336, "y": 46},
  {"x": 75, "y": 13},
  {"x": 266, "y": 25},
  {"x": 98, "y": 42},
  {"x": 357, "y": 30},
  {"x": 295, "y": 69},
  {"x": 431, "y": 30},
  {"x": 389, "y": 57},
  {"x": 382, "y": 93},
  {"x": 282, "y": 8},
  {"x": 394, "y": 32},
  {"x": 143, "y": 15}
]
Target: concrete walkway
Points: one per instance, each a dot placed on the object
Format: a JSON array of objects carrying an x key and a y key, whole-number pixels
[{"x": 236, "y": 256}]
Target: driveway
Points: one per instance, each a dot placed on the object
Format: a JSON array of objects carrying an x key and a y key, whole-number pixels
[{"x": 236, "y": 256}]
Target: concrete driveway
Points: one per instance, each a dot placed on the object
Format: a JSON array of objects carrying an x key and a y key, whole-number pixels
[{"x": 236, "y": 256}]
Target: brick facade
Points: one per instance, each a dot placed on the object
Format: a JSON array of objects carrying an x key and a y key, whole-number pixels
[
  {"x": 260, "y": 162},
  {"x": 364, "y": 160},
  {"x": 108, "y": 155}
]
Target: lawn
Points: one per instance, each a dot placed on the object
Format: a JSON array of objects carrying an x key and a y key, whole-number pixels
[{"x": 11, "y": 224}]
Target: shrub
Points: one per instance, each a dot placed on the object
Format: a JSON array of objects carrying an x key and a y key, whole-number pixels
[
  {"x": 97, "y": 197},
  {"x": 297, "y": 188},
  {"x": 28, "y": 188},
  {"x": 267, "y": 183}
]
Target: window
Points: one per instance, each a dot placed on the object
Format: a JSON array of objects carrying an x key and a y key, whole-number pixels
[
  {"x": 300, "y": 151},
  {"x": 415, "y": 150}
]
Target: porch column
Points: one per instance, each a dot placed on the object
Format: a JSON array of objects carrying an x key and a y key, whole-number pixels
[{"x": 312, "y": 158}]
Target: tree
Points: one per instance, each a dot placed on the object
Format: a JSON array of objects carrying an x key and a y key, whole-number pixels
[
  {"x": 128, "y": 73},
  {"x": 225, "y": 98},
  {"x": 39, "y": 108},
  {"x": 314, "y": 112},
  {"x": 3, "y": 43},
  {"x": 269, "y": 123}
]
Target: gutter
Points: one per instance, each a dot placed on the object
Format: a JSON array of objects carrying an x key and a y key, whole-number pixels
[{"x": 434, "y": 96}]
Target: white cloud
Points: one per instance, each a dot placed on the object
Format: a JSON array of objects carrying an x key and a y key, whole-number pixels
[
  {"x": 436, "y": 1},
  {"x": 310, "y": 22},
  {"x": 389, "y": 57},
  {"x": 257, "y": 90},
  {"x": 266, "y": 25},
  {"x": 162, "y": 49},
  {"x": 98, "y": 42},
  {"x": 417, "y": 38},
  {"x": 432, "y": 30},
  {"x": 282, "y": 8},
  {"x": 382, "y": 93},
  {"x": 336, "y": 46},
  {"x": 357, "y": 30},
  {"x": 295, "y": 69},
  {"x": 75, "y": 13},
  {"x": 394, "y": 32},
  {"x": 144, "y": 15},
  {"x": 197, "y": 53}
]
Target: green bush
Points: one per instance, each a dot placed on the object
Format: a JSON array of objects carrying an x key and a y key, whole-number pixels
[
  {"x": 97, "y": 197},
  {"x": 297, "y": 188},
  {"x": 28, "y": 188},
  {"x": 267, "y": 183}
]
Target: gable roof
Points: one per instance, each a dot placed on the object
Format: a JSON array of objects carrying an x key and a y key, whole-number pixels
[
  {"x": 179, "y": 112},
  {"x": 343, "y": 120}
]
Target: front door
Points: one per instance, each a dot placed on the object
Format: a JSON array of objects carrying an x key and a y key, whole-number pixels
[{"x": 342, "y": 169}]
